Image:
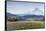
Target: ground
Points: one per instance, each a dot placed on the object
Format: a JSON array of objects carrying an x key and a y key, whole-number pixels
[{"x": 20, "y": 25}]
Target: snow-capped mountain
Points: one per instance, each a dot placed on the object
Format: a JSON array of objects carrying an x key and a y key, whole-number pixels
[
  {"x": 37, "y": 11},
  {"x": 25, "y": 16}
]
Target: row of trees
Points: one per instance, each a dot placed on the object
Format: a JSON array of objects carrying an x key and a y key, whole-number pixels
[
  {"x": 15, "y": 19},
  {"x": 11, "y": 18}
]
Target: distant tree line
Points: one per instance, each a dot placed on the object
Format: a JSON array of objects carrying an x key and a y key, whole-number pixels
[{"x": 13, "y": 18}]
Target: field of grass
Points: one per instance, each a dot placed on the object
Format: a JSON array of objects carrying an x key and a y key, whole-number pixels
[{"x": 20, "y": 25}]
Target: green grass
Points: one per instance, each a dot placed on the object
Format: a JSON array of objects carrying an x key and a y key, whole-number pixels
[{"x": 26, "y": 25}]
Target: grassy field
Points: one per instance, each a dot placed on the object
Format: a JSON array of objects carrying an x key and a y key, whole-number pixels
[{"x": 20, "y": 25}]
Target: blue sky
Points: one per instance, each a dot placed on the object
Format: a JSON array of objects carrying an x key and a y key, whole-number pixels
[{"x": 25, "y": 8}]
